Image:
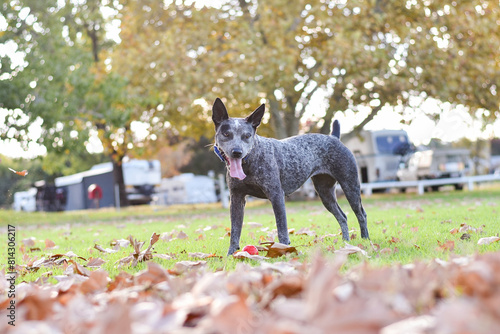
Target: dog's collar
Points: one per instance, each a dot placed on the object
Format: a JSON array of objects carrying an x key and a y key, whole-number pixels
[{"x": 222, "y": 156}]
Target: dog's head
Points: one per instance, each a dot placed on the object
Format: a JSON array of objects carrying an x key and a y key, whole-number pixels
[{"x": 234, "y": 137}]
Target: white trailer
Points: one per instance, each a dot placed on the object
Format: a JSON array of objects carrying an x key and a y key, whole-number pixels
[
  {"x": 379, "y": 153},
  {"x": 186, "y": 189},
  {"x": 25, "y": 200},
  {"x": 441, "y": 163}
]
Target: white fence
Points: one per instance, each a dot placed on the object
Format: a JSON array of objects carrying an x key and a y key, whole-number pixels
[{"x": 367, "y": 188}]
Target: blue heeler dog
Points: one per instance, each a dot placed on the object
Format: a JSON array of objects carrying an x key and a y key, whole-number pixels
[{"x": 270, "y": 168}]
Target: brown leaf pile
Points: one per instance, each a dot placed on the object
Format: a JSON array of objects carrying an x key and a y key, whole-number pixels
[{"x": 460, "y": 296}]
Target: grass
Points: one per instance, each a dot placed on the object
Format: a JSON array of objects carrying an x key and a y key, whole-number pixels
[{"x": 403, "y": 228}]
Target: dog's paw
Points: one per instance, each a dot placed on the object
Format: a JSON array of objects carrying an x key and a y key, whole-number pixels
[
  {"x": 232, "y": 250},
  {"x": 284, "y": 241}
]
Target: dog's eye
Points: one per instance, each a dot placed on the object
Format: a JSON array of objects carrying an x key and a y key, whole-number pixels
[
  {"x": 246, "y": 136},
  {"x": 225, "y": 134}
]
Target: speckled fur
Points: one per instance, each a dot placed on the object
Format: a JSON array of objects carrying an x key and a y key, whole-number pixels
[{"x": 276, "y": 168}]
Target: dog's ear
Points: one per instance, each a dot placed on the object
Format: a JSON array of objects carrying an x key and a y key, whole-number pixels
[
  {"x": 256, "y": 116},
  {"x": 219, "y": 112}
]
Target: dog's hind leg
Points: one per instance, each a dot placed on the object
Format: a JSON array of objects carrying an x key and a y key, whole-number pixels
[
  {"x": 325, "y": 187},
  {"x": 237, "y": 210},
  {"x": 353, "y": 194}
]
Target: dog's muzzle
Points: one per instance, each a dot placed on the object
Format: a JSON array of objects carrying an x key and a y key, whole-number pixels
[{"x": 234, "y": 163}]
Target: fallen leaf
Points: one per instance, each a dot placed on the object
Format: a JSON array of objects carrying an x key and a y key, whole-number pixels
[
  {"x": 49, "y": 244},
  {"x": 350, "y": 249},
  {"x": 163, "y": 256},
  {"x": 275, "y": 249},
  {"x": 29, "y": 242},
  {"x": 448, "y": 245},
  {"x": 385, "y": 251},
  {"x": 394, "y": 240},
  {"x": 202, "y": 255},
  {"x": 107, "y": 250},
  {"x": 465, "y": 236},
  {"x": 120, "y": 243},
  {"x": 246, "y": 255},
  {"x": 181, "y": 235},
  {"x": 22, "y": 173},
  {"x": 98, "y": 281},
  {"x": 95, "y": 262},
  {"x": 166, "y": 236},
  {"x": 183, "y": 266},
  {"x": 79, "y": 269},
  {"x": 375, "y": 247},
  {"x": 488, "y": 240},
  {"x": 465, "y": 228},
  {"x": 305, "y": 231}
]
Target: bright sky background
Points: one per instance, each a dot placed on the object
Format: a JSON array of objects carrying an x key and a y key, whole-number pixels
[{"x": 453, "y": 125}]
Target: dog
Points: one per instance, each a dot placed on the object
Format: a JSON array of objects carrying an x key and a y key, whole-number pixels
[{"x": 270, "y": 168}]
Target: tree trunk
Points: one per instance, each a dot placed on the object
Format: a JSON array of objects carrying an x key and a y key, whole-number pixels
[
  {"x": 277, "y": 121},
  {"x": 119, "y": 180}
]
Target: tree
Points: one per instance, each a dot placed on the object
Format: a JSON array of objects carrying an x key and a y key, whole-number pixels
[
  {"x": 64, "y": 80},
  {"x": 362, "y": 55}
]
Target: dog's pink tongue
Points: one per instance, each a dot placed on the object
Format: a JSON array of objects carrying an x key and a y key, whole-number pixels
[{"x": 235, "y": 169}]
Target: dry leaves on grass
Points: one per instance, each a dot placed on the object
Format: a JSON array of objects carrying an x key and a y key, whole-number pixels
[
  {"x": 49, "y": 261},
  {"x": 452, "y": 297},
  {"x": 138, "y": 255}
]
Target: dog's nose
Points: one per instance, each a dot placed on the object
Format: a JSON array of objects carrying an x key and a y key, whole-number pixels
[{"x": 237, "y": 153}]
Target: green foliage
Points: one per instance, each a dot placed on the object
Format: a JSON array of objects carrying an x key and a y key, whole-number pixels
[{"x": 63, "y": 80}]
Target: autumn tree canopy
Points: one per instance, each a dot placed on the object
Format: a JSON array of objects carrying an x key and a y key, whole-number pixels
[
  {"x": 175, "y": 57},
  {"x": 360, "y": 54}
]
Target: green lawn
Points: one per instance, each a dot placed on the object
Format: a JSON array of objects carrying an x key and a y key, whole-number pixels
[{"x": 403, "y": 228}]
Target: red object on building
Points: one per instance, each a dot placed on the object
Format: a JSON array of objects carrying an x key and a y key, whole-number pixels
[{"x": 94, "y": 192}]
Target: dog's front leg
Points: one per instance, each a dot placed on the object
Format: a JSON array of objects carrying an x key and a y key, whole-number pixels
[
  {"x": 237, "y": 210},
  {"x": 278, "y": 203}
]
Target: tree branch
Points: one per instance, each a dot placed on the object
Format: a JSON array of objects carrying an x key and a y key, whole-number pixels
[{"x": 358, "y": 128}]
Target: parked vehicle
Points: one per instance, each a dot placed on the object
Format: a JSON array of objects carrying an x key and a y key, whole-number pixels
[
  {"x": 436, "y": 164},
  {"x": 379, "y": 153},
  {"x": 186, "y": 189},
  {"x": 25, "y": 200}
]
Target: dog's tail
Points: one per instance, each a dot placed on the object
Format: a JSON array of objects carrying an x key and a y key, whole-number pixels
[{"x": 336, "y": 129}]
